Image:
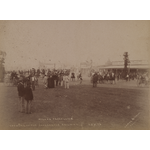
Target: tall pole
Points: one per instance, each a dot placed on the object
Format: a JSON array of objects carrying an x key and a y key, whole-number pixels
[{"x": 126, "y": 62}]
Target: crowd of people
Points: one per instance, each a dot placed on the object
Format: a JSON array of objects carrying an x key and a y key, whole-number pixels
[
  {"x": 27, "y": 81},
  {"x": 48, "y": 76},
  {"x": 111, "y": 77},
  {"x": 52, "y": 78}
]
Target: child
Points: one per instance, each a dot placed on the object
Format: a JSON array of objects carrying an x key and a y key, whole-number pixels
[
  {"x": 28, "y": 95},
  {"x": 20, "y": 89}
]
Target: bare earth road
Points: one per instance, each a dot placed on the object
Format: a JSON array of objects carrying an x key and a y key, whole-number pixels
[{"x": 121, "y": 106}]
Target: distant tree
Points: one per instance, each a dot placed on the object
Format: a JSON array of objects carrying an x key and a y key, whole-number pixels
[
  {"x": 126, "y": 62},
  {"x": 2, "y": 62}
]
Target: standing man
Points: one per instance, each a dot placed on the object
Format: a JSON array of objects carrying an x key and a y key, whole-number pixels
[
  {"x": 72, "y": 76},
  {"x": 66, "y": 80},
  {"x": 20, "y": 89},
  {"x": 61, "y": 79},
  {"x": 28, "y": 98},
  {"x": 45, "y": 81},
  {"x": 95, "y": 79},
  {"x": 56, "y": 78},
  {"x": 80, "y": 77},
  {"x": 113, "y": 77},
  {"x": 33, "y": 81},
  {"x": 127, "y": 77}
]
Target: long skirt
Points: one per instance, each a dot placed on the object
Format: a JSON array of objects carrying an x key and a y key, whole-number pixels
[{"x": 50, "y": 83}]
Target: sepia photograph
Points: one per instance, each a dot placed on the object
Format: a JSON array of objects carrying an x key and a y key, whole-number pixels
[{"x": 74, "y": 74}]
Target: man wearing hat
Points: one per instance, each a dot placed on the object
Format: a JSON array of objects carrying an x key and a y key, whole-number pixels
[
  {"x": 33, "y": 81},
  {"x": 95, "y": 79},
  {"x": 20, "y": 89},
  {"x": 28, "y": 95}
]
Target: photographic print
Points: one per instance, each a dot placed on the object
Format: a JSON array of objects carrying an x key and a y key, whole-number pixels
[{"x": 74, "y": 75}]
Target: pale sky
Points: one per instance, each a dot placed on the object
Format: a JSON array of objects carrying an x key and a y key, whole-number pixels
[{"x": 71, "y": 42}]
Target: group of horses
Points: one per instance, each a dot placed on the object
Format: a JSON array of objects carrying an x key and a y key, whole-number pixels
[{"x": 104, "y": 78}]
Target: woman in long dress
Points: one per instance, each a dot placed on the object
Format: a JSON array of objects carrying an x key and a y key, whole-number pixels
[{"x": 50, "y": 81}]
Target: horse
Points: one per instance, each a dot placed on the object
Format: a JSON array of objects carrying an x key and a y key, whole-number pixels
[
  {"x": 143, "y": 80},
  {"x": 109, "y": 77}
]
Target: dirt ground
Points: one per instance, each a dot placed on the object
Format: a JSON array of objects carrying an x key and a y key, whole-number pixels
[{"x": 122, "y": 106}]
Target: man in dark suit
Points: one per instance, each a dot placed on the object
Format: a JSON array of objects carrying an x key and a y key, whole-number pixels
[
  {"x": 95, "y": 79},
  {"x": 20, "y": 89},
  {"x": 28, "y": 95}
]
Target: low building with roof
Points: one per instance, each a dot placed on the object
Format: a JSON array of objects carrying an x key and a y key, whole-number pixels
[{"x": 133, "y": 66}]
